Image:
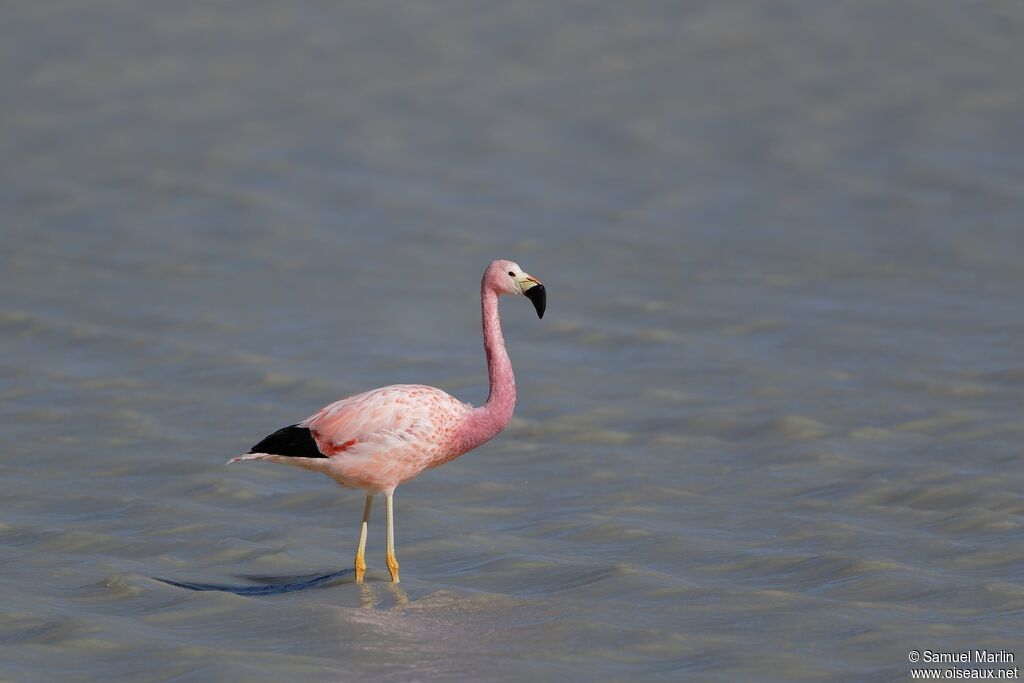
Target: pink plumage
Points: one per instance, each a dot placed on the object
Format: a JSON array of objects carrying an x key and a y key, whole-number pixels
[{"x": 382, "y": 438}]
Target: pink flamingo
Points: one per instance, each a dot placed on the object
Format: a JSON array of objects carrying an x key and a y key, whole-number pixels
[{"x": 379, "y": 439}]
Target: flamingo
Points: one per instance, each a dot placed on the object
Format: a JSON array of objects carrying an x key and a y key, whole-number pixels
[{"x": 384, "y": 437}]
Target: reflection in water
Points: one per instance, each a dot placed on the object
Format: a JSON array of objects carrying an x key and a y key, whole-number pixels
[
  {"x": 400, "y": 597},
  {"x": 369, "y": 596}
]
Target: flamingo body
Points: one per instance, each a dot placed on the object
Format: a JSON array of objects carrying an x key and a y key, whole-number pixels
[
  {"x": 381, "y": 438},
  {"x": 384, "y": 437}
]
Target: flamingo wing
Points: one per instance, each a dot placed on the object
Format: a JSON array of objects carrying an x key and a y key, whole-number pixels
[{"x": 389, "y": 415}]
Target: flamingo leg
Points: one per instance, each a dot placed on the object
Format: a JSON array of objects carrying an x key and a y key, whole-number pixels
[
  {"x": 360, "y": 559},
  {"x": 391, "y": 560}
]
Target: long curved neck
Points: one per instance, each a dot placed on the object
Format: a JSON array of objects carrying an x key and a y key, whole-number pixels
[
  {"x": 483, "y": 424},
  {"x": 501, "y": 400}
]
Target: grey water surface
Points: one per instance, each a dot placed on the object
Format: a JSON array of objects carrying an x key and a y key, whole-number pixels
[{"x": 769, "y": 429}]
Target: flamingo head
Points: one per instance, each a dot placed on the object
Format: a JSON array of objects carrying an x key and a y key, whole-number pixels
[{"x": 506, "y": 277}]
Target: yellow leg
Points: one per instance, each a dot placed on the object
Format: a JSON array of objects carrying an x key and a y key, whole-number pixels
[
  {"x": 391, "y": 560},
  {"x": 360, "y": 553}
]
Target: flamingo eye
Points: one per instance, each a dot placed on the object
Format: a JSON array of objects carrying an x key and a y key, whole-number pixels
[{"x": 512, "y": 273}]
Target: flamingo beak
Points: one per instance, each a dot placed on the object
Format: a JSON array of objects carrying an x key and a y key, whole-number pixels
[{"x": 535, "y": 292}]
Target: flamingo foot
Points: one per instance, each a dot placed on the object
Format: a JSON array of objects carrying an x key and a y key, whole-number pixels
[
  {"x": 360, "y": 568},
  {"x": 392, "y": 562},
  {"x": 390, "y": 557}
]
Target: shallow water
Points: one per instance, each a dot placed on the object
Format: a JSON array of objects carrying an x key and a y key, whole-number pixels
[{"x": 769, "y": 429}]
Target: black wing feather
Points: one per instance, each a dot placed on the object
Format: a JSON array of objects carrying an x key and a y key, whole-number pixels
[{"x": 291, "y": 442}]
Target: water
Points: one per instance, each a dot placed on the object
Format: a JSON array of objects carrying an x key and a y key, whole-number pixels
[{"x": 768, "y": 430}]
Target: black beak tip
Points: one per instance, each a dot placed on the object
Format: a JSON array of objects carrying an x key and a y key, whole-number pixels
[{"x": 538, "y": 297}]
